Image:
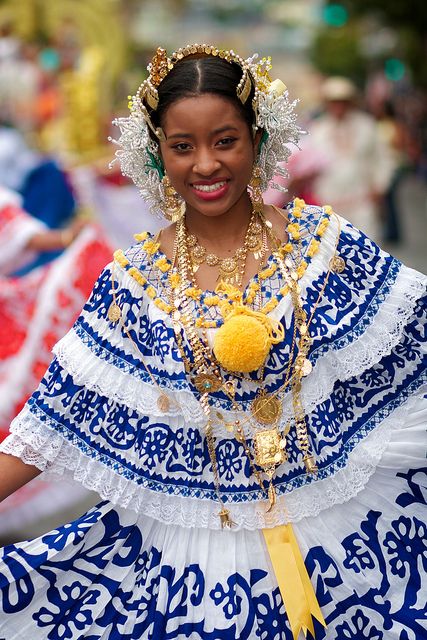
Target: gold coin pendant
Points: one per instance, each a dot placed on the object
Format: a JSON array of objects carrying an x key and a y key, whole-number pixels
[
  {"x": 114, "y": 312},
  {"x": 266, "y": 409}
]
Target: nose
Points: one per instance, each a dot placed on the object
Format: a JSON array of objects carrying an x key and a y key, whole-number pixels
[{"x": 206, "y": 162}]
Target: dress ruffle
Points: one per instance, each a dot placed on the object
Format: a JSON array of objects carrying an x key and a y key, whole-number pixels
[{"x": 113, "y": 573}]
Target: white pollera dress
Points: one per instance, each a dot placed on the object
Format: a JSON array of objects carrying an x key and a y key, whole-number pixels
[{"x": 151, "y": 560}]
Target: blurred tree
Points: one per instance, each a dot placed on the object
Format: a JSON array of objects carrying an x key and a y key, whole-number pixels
[
  {"x": 336, "y": 51},
  {"x": 407, "y": 18}
]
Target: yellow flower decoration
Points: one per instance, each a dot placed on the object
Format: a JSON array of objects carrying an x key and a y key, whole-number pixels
[
  {"x": 327, "y": 209},
  {"x": 162, "y": 264},
  {"x": 322, "y": 227},
  {"x": 297, "y": 213},
  {"x": 193, "y": 292},
  {"x": 266, "y": 273},
  {"x": 151, "y": 292},
  {"x": 294, "y": 230},
  {"x": 175, "y": 280},
  {"x": 161, "y": 304},
  {"x": 210, "y": 301},
  {"x": 140, "y": 237},
  {"x": 151, "y": 247},
  {"x": 301, "y": 269},
  {"x": 313, "y": 248},
  {"x": 299, "y": 202},
  {"x": 287, "y": 248},
  {"x": 120, "y": 258},
  {"x": 136, "y": 275},
  {"x": 270, "y": 306}
]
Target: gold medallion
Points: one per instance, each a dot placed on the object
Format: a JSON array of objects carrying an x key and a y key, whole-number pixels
[
  {"x": 266, "y": 409},
  {"x": 337, "y": 264},
  {"x": 207, "y": 382},
  {"x": 163, "y": 403},
  {"x": 114, "y": 312},
  {"x": 268, "y": 450}
]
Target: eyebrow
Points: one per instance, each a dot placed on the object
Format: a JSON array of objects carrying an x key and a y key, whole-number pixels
[{"x": 227, "y": 127}]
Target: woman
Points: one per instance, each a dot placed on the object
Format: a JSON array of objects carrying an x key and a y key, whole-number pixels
[
  {"x": 35, "y": 311},
  {"x": 244, "y": 392}
]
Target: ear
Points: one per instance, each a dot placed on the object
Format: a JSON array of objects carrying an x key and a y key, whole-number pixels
[{"x": 257, "y": 141}]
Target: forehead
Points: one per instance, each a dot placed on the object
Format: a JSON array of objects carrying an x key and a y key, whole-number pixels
[{"x": 207, "y": 111}]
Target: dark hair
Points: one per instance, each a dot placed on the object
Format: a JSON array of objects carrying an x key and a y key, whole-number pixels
[{"x": 194, "y": 76}]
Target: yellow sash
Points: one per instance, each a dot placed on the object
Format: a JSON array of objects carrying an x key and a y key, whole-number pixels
[{"x": 295, "y": 587}]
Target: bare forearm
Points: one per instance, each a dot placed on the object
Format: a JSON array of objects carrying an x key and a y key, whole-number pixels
[
  {"x": 50, "y": 240},
  {"x": 14, "y": 474},
  {"x": 53, "y": 239}
]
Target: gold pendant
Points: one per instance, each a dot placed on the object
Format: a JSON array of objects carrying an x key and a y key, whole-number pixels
[
  {"x": 226, "y": 521},
  {"x": 337, "y": 264},
  {"x": 266, "y": 409},
  {"x": 207, "y": 382},
  {"x": 114, "y": 312},
  {"x": 229, "y": 388},
  {"x": 269, "y": 449},
  {"x": 310, "y": 465},
  {"x": 163, "y": 403},
  {"x": 271, "y": 496}
]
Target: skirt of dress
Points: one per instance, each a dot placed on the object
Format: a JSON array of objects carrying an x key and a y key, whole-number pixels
[{"x": 113, "y": 574}]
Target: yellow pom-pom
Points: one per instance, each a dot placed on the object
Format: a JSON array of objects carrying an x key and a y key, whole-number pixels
[{"x": 242, "y": 344}]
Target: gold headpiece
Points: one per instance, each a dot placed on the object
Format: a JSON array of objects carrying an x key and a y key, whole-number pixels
[{"x": 161, "y": 65}]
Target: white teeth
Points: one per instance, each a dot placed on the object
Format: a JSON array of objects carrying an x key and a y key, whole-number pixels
[{"x": 209, "y": 187}]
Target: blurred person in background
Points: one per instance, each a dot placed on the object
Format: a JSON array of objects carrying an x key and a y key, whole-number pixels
[
  {"x": 404, "y": 153},
  {"x": 44, "y": 186},
  {"x": 358, "y": 165},
  {"x": 35, "y": 311}
]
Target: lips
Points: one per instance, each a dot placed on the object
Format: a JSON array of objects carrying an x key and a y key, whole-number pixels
[{"x": 210, "y": 189}]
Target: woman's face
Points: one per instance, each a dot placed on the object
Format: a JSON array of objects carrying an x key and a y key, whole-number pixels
[{"x": 208, "y": 153}]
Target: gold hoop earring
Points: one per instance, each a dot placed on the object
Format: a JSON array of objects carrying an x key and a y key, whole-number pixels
[
  {"x": 255, "y": 192},
  {"x": 173, "y": 206}
]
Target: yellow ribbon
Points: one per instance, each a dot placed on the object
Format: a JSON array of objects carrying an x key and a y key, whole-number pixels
[{"x": 294, "y": 583}]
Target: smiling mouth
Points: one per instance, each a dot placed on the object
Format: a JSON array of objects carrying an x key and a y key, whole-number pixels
[{"x": 209, "y": 188}]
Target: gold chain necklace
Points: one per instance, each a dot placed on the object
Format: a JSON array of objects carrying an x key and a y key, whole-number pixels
[
  {"x": 115, "y": 315},
  {"x": 270, "y": 444},
  {"x": 228, "y": 268}
]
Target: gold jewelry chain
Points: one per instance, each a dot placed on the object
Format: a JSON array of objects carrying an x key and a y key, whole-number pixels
[
  {"x": 228, "y": 268},
  {"x": 299, "y": 414},
  {"x": 115, "y": 315}
]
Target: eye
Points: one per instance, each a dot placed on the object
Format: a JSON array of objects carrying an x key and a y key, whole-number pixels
[
  {"x": 181, "y": 146},
  {"x": 226, "y": 141}
]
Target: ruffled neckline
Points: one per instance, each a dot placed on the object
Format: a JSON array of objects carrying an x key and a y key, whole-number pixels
[{"x": 154, "y": 267}]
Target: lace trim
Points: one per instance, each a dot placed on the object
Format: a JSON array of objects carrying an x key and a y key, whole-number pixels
[
  {"x": 46, "y": 449},
  {"x": 110, "y": 381}
]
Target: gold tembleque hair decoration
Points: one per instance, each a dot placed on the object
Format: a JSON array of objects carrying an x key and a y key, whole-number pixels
[{"x": 161, "y": 65}]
